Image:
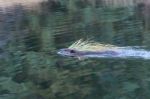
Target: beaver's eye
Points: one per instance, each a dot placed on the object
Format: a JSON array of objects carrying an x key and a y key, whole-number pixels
[{"x": 72, "y": 51}]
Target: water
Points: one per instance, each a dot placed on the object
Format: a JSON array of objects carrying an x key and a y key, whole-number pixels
[{"x": 31, "y": 35}]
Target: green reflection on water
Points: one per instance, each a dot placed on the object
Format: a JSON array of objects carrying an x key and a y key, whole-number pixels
[{"x": 32, "y": 68}]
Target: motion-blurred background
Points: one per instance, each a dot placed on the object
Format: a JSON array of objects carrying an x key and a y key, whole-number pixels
[{"x": 31, "y": 32}]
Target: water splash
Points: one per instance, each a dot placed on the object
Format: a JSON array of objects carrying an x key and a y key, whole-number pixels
[{"x": 126, "y": 52}]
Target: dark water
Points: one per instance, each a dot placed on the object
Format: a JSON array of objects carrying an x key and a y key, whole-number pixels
[{"x": 30, "y": 38}]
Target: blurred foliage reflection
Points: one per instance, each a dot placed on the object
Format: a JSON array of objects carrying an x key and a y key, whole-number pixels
[{"x": 29, "y": 39}]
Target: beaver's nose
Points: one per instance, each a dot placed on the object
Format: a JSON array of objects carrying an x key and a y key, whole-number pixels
[{"x": 59, "y": 52}]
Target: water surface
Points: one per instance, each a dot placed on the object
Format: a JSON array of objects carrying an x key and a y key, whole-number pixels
[{"x": 30, "y": 36}]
